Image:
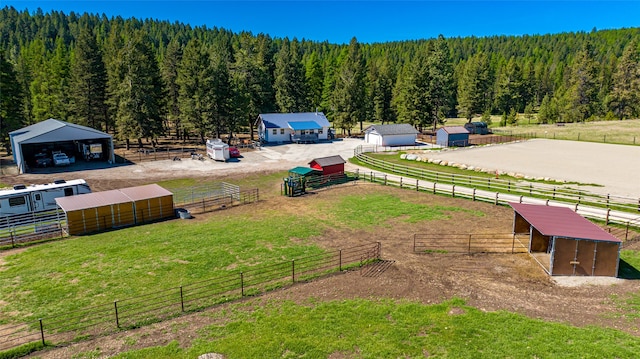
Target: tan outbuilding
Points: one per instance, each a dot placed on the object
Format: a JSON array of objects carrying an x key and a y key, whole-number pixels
[{"x": 99, "y": 211}]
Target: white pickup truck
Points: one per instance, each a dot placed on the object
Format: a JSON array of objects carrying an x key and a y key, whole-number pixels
[{"x": 60, "y": 159}]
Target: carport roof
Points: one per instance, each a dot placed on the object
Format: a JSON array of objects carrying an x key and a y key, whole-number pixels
[
  {"x": 92, "y": 200},
  {"x": 561, "y": 222},
  {"x": 107, "y": 198},
  {"x": 53, "y": 130}
]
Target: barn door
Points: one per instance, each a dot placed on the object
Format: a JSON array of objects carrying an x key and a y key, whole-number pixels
[{"x": 573, "y": 257}]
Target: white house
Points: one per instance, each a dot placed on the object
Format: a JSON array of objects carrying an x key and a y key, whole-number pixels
[
  {"x": 292, "y": 127},
  {"x": 400, "y": 134}
]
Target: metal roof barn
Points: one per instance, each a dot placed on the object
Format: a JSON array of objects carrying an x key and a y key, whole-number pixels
[
  {"x": 55, "y": 135},
  {"x": 401, "y": 134},
  {"x": 100, "y": 211},
  {"x": 574, "y": 245},
  {"x": 328, "y": 165}
]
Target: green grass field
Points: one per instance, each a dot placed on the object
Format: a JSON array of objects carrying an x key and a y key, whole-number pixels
[
  {"x": 56, "y": 277},
  {"x": 391, "y": 329}
]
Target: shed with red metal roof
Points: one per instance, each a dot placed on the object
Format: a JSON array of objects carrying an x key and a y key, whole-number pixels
[
  {"x": 575, "y": 245},
  {"x": 99, "y": 211}
]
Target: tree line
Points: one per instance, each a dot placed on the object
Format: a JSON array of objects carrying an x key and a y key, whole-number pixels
[{"x": 142, "y": 79}]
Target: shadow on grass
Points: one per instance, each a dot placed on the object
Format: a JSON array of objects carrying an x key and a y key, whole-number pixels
[{"x": 627, "y": 271}]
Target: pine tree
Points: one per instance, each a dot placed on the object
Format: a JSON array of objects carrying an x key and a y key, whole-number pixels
[
  {"x": 290, "y": 88},
  {"x": 314, "y": 79},
  {"x": 582, "y": 88},
  {"x": 88, "y": 83},
  {"x": 140, "y": 93},
  {"x": 195, "y": 80},
  {"x": 624, "y": 99},
  {"x": 11, "y": 96},
  {"x": 381, "y": 82},
  {"x": 509, "y": 88},
  {"x": 169, "y": 71},
  {"x": 349, "y": 93},
  {"x": 440, "y": 82},
  {"x": 474, "y": 87}
]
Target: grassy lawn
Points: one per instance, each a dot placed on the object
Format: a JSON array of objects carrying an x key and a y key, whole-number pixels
[
  {"x": 76, "y": 273},
  {"x": 387, "y": 329}
]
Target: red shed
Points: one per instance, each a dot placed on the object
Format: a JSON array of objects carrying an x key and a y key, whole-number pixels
[{"x": 328, "y": 165}]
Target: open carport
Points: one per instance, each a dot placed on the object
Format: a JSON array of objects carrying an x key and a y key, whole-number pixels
[{"x": 53, "y": 135}]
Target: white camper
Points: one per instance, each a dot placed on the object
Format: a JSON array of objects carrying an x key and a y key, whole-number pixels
[
  {"x": 217, "y": 150},
  {"x": 25, "y": 199}
]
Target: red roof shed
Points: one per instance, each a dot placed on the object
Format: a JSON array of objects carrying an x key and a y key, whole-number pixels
[
  {"x": 328, "y": 165},
  {"x": 575, "y": 245}
]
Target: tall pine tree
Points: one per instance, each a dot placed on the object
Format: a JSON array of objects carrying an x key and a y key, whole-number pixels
[
  {"x": 11, "y": 96},
  {"x": 624, "y": 99}
]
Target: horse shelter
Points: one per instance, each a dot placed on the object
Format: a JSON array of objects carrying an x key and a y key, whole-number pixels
[
  {"x": 565, "y": 243},
  {"x": 123, "y": 207}
]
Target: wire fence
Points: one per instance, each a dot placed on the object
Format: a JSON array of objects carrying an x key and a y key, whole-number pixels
[
  {"x": 160, "y": 305},
  {"x": 468, "y": 243}
]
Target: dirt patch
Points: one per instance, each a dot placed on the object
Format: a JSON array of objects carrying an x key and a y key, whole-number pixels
[{"x": 490, "y": 282}]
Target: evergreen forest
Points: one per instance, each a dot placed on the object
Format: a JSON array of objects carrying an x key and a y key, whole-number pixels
[{"x": 144, "y": 79}]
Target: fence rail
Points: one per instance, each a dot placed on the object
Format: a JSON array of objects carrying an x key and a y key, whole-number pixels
[
  {"x": 221, "y": 200},
  {"x": 495, "y": 185},
  {"x": 34, "y": 226},
  {"x": 160, "y": 305},
  {"x": 468, "y": 243}
]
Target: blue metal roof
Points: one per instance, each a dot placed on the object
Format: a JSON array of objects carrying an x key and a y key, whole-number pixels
[
  {"x": 283, "y": 120},
  {"x": 304, "y": 125}
]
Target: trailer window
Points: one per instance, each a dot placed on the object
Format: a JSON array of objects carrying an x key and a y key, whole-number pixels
[
  {"x": 37, "y": 196},
  {"x": 68, "y": 191},
  {"x": 17, "y": 201}
]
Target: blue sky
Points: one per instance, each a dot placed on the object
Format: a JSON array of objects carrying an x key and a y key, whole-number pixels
[{"x": 368, "y": 21}]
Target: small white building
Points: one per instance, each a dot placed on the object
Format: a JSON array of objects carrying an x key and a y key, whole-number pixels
[
  {"x": 292, "y": 127},
  {"x": 399, "y": 134}
]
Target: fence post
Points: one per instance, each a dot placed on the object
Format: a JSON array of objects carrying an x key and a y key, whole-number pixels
[
  {"x": 434, "y": 188},
  {"x": 521, "y": 199},
  {"x": 626, "y": 232},
  {"x": 115, "y": 305},
  {"x": 474, "y": 195},
  {"x": 607, "y": 200},
  {"x": 554, "y": 192},
  {"x": 496, "y": 202},
  {"x": 204, "y": 207},
  {"x": 13, "y": 238},
  {"x": 241, "y": 284},
  {"x": 400, "y": 182},
  {"x": 417, "y": 186},
  {"x": 606, "y": 221},
  {"x": 385, "y": 180},
  {"x": 453, "y": 191},
  {"x": 293, "y": 271},
  {"x": 41, "y": 331},
  {"x": 181, "y": 299},
  {"x": 340, "y": 260}
]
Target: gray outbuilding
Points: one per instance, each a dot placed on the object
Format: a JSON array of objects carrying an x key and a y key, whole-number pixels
[
  {"x": 452, "y": 136},
  {"x": 397, "y": 134},
  {"x": 49, "y": 136}
]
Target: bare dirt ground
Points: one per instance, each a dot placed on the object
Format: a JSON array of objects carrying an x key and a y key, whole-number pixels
[{"x": 490, "y": 282}]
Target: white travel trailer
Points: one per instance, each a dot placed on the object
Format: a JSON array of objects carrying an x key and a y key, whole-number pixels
[
  {"x": 218, "y": 150},
  {"x": 25, "y": 199}
]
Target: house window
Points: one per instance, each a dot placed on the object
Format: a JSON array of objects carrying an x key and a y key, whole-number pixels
[
  {"x": 275, "y": 131},
  {"x": 320, "y": 131},
  {"x": 17, "y": 201},
  {"x": 282, "y": 131}
]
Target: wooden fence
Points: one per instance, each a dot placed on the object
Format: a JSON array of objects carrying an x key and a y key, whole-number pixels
[
  {"x": 156, "y": 306},
  {"x": 489, "y": 189}
]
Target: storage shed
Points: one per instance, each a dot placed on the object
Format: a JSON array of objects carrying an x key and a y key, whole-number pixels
[
  {"x": 328, "y": 165},
  {"x": 400, "y": 134},
  {"x": 575, "y": 246},
  {"x": 452, "y": 136},
  {"x": 100, "y": 211}
]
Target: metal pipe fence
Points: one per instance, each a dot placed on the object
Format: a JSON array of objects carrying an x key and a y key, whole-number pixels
[
  {"x": 160, "y": 305},
  {"x": 33, "y": 226},
  {"x": 468, "y": 243}
]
